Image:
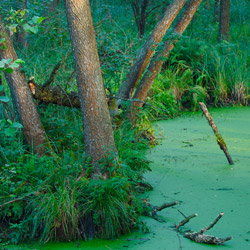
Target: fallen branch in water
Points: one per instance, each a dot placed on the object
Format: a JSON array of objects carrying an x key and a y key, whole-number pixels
[
  {"x": 186, "y": 220},
  {"x": 219, "y": 138},
  {"x": 199, "y": 237},
  {"x": 154, "y": 209}
]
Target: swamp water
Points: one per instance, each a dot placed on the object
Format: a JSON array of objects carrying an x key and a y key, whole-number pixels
[{"x": 189, "y": 167}]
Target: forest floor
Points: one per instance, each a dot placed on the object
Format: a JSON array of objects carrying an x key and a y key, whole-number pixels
[{"x": 189, "y": 167}]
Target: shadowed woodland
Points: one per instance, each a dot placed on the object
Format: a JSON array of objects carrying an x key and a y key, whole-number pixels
[{"x": 81, "y": 83}]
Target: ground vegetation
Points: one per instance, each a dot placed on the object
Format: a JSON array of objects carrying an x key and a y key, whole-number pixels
[{"x": 49, "y": 193}]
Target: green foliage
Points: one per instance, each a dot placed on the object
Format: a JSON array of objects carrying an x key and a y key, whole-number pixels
[
  {"x": 108, "y": 207},
  {"x": 8, "y": 66},
  {"x": 20, "y": 18},
  {"x": 46, "y": 198}
]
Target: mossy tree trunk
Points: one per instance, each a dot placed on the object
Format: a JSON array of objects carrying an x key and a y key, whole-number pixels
[
  {"x": 224, "y": 20},
  {"x": 157, "y": 61},
  {"x": 98, "y": 133},
  {"x": 22, "y": 98}
]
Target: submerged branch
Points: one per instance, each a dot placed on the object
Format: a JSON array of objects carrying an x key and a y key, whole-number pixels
[{"x": 219, "y": 138}]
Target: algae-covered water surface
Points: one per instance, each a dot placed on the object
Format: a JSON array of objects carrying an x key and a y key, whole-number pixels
[{"x": 189, "y": 167}]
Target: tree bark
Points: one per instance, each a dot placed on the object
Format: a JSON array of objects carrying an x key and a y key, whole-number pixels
[
  {"x": 148, "y": 50},
  {"x": 22, "y": 98},
  {"x": 224, "y": 20},
  {"x": 139, "y": 8},
  {"x": 157, "y": 61},
  {"x": 98, "y": 133}
]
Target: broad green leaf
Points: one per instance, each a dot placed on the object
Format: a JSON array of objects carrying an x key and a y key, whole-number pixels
[
  {"x": 34, "y": 19},
  {"x": 22, "y": 13},
  {"x": 14, "y": 65},
  {"x": 17, "y": 125},
  {"x": 19, "y": 61},
  {"x": 26, "y": 27},
  {"x": 34, "y": 29},
  {"x": 6, "y": 61},
  {"x": 4, "y": 99},
  {"x": 1, "y": 88},
  {"x": 40, "y": 19},
  {"x": 37, "y": 19},
  {"x": 8, "y": 70},
  {"x": 9, "y": 131},
  {"x": 2, "y": 64},
  {"x": 2, "y": 40}
]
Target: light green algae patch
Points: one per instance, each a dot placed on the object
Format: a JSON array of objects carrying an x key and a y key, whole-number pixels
[{"x": 188, "y": 166}]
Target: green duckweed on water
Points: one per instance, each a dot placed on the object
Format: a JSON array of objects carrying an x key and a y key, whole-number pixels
[{"x": 189, "y": 167}]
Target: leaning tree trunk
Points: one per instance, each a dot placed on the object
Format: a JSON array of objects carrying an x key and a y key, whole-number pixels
[
  {"x": 224, "y": 20},
  {"x": 23, "y": 100},
  {"x": 157, "y": 61},
  {"x": 98, "y": 133},
  {"x": 147, "y": 51}
]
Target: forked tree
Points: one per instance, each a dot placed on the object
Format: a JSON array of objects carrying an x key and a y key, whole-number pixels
[
  {"x": 148, "y": 50},
  {"x": 159, "y": 58}
]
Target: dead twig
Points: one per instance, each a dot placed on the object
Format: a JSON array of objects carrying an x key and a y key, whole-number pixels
[
  {"x": 154, "y": 209},
  {"x": 52, "y": 75},
  {"x": 203, "y": 230},
  {"x": 199, "y": 237},
  {"x": 15, "y": 200},
  {"x": 185, "y": 221}
]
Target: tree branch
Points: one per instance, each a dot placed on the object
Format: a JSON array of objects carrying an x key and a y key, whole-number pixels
[{"x": 52, "y": 75}]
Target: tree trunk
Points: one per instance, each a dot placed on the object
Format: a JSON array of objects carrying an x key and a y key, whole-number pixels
[
  {"x": 224, "y": 20},
  {"x": 22, "y": 36},
  {"x": 208, "y": 4},
  {"x": 156, "y": 63},
  {"x": 139, "y": 8},
  {"x": 23, "y": 100},
  {"x": 216, "y": 10},
  {"x": 148, "y": 49},
  {"x": 98, "y": 133}
]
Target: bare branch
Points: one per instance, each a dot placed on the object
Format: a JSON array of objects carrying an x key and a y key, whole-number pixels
[
  {"x": 185, "y": 221},
  {"x": 52, "y": 75}
]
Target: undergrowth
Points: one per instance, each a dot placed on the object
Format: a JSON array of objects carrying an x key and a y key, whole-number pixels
[{"x": 52, "y": 198}]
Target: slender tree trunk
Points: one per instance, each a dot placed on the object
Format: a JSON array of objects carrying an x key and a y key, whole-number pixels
[
  {"x": 139, "y": 8},
  {"x": 224, "y": 20},
  {"x": 157, "y": 61},
  {"x": 147, "y": 51},
  {"x": 216, "y": 10},
  {"x": 208, "y": 4},
  {"x": 98, "y": 133},
  {"x": 23, "y": 100}
]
